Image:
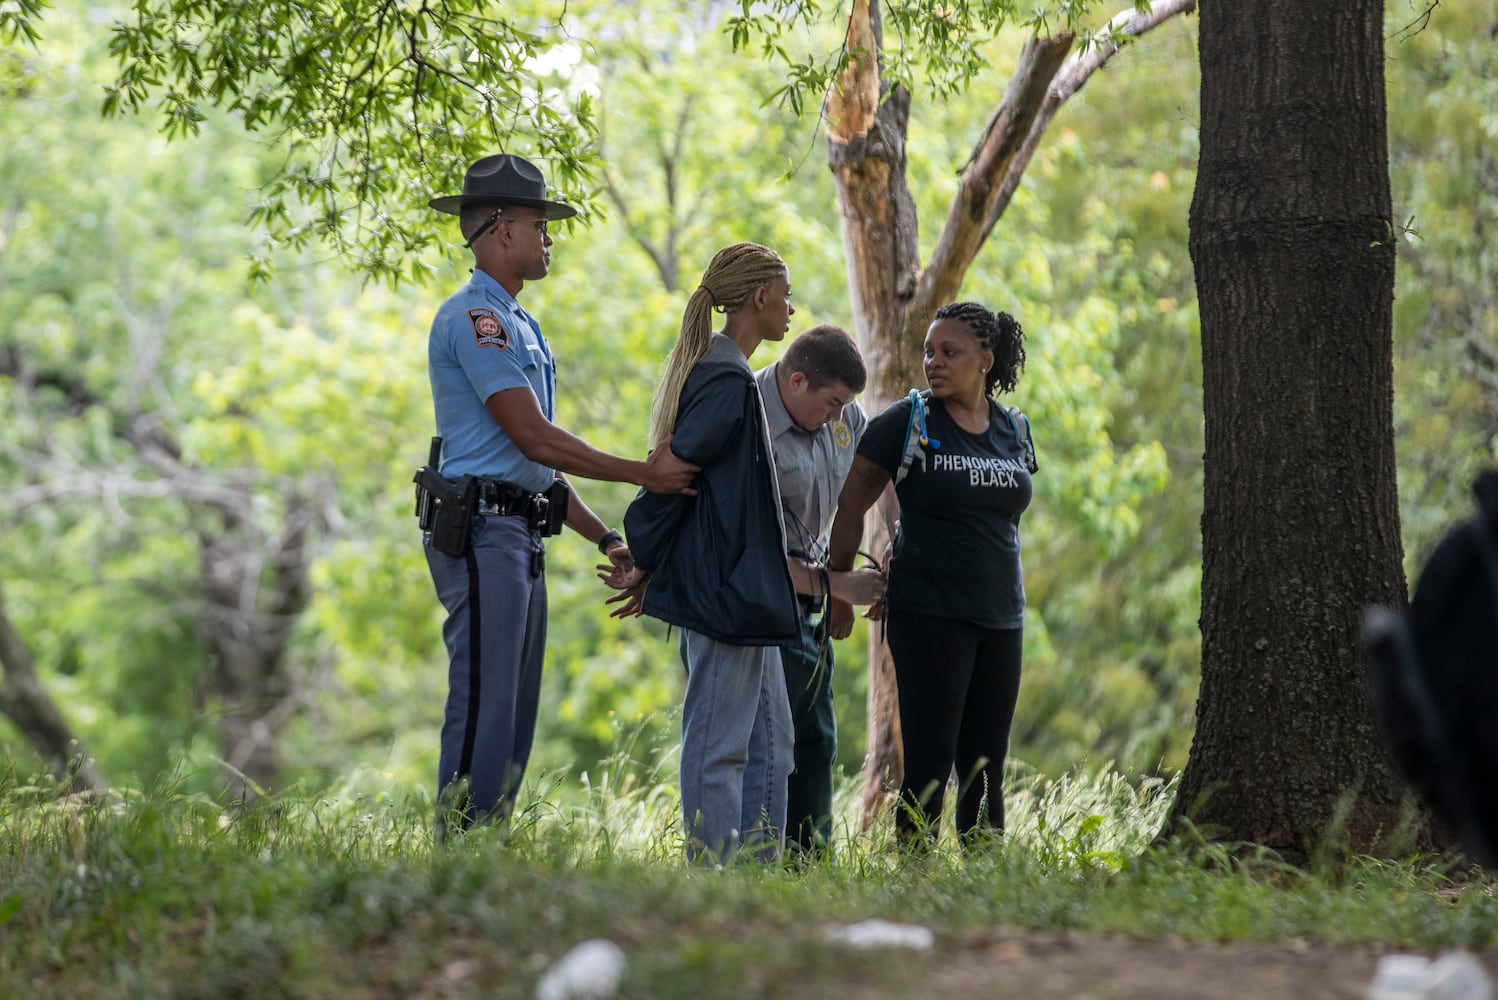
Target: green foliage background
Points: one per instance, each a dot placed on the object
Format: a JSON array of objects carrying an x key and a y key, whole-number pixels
[{"x": 126, "y": 260}]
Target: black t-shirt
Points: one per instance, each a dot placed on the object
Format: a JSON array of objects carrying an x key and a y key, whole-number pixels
[{"x": 957, "y": 553}]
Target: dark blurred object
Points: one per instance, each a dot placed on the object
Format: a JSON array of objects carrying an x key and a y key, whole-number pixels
[{"x": 1433, "y": 672}]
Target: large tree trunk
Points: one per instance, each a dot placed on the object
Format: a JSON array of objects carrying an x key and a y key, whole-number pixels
[
  {"x": 893, "y": 296},
  {"x": 866, "y": 130},
  {"x": 1294, "y": 253}
]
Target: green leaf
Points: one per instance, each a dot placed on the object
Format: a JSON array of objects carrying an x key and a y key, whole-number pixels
[{"x": 9, "y": 907}]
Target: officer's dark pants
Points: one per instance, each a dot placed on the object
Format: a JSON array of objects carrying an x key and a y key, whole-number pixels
[
  {"x": 808, "y": 682},
  {"x": 495, "y": 596}
]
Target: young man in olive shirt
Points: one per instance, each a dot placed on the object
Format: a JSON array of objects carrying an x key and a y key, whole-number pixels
[{"x": 815, "y": 426}]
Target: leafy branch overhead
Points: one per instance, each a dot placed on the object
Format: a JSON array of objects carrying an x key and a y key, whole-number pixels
[
  {"x": 376, "y": 102},
  {"x": 940, "y": 44},
  {"x": 18, "y": 20}
]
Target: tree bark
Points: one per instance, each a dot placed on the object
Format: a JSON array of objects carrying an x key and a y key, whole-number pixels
[
  {"x": 26, "y": 703},
  {"x": 866, "y": 128},
  {"x": 893, "y": 296},
  {"x": 1293, "y": 247}
]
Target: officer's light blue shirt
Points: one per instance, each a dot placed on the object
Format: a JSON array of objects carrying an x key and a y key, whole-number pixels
[{"x": 481, "y": 343}]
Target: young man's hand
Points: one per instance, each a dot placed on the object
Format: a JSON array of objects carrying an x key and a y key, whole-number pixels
[
  {"x": 631, "y": 597},
  {"x": 839, "y": 619},
  {"x": 616, "y": 572},
  {"x": 857, "y": 586}
]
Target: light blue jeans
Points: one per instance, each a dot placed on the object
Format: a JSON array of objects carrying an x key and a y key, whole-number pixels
[{"x": 737, "y": 750}]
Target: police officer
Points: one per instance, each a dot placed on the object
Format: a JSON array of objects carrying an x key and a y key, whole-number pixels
[
  {"x": 814, "y": 427},
  {"x": 494, "y": 389}
]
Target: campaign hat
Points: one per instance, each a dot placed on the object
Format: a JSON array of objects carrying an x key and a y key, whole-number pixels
[{"x": 503, "y": 179}]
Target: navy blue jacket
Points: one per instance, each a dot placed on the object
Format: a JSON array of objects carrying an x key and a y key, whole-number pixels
[{"x": 717, "y": 560}]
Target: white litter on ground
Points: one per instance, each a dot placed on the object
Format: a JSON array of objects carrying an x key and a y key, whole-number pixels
[
  {"x": 877, "y": 933},
  {"x": 590, "y": 971},
  {"x": 1455, "y": 975}
]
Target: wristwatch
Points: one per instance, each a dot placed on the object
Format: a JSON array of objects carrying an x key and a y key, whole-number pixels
[{"x": 608, "y": 540}]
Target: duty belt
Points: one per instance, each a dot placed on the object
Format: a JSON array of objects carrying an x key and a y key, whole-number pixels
[{"x": 508, "y": 500}]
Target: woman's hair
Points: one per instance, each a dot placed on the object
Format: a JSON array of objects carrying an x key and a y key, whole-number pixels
[
  {"x": 996, "y": 332},
  {"x": 732, "y": 276}
]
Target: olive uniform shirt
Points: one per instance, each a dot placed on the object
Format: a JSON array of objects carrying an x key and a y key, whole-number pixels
[{"x": 810, "y": 466}]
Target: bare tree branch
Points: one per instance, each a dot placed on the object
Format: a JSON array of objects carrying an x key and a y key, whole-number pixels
[
  {"x": 1071, "y": 78},
  {"x": 665, "y": 257},
  {"x": 968, "y": 224}
]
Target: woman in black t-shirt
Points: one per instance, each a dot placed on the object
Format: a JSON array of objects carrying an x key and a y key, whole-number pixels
[{"x": 956, "y": 599}]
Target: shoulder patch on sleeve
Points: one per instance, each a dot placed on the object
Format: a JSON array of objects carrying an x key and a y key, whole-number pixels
[{"x": 488, "y": 331}]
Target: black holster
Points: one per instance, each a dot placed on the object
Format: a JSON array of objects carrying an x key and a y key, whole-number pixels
[
  {"x": 446, "y": 509},
  {"x": 558, "y": 496}
]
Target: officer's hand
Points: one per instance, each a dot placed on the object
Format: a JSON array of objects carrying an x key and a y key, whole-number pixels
[
  {"x": 876, "y": 611},
  {"x": 665, "y": 473},
  {"x": 620, "y": 565},
  {"x": 631, "y": 598},
  {"x": 857, "y": 586},
  {"x": 840, "y": 619}
]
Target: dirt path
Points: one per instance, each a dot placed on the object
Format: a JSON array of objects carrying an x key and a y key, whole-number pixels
[{"x": 1078, "y": 967}]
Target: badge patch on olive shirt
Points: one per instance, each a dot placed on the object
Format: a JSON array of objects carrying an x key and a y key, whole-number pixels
[{"x": 488, "y": 331}]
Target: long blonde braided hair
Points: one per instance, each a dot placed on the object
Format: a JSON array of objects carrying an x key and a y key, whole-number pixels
[{"x": 732, "y": 276}]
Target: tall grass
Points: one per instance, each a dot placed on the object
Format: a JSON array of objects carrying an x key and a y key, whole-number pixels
[{"x": 163, "y": 893}]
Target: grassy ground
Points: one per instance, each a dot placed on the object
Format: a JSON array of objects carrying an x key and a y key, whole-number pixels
[{"x": 167, "y": 895}]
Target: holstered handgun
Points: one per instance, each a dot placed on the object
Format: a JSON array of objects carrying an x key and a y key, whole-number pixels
[{"x": 443, "y": 507}]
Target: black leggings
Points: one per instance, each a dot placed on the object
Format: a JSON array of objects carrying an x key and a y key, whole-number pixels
[{"x": 958, "y": 684}]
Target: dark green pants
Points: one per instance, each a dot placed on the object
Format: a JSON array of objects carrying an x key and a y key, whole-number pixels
[{"x": 808, "y": 682}]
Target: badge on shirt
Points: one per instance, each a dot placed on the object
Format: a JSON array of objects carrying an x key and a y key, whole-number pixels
[
  {"x": 488, "y": 331},
  {"x": 841, "y": 435}
]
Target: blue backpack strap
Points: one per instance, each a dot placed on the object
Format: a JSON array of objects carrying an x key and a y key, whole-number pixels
[
  {"x": 1020, "y": 424},
  {"x": 916, "y": 437}
]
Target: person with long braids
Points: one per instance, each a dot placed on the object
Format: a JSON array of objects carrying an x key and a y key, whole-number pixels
[
  {"x": 954, "y": 611},
  {"x": 715, "y": 564}
]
